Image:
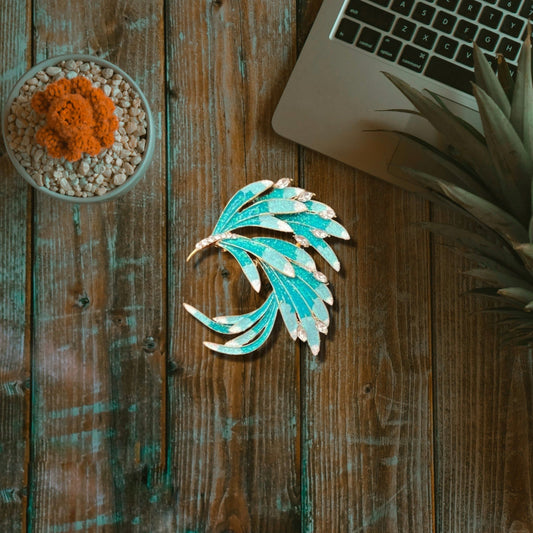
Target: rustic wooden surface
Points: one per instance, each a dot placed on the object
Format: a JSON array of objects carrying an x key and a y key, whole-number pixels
[{"x": 114, "y": 417}]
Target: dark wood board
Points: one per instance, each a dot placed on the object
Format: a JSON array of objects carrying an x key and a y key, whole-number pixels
[
  {"x": 234, "y": 423},
  {"x": 99, "y": 330},
  {"x": 15, "y": 295}
]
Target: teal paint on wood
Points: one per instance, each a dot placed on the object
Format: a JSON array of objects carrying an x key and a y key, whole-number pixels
[
  {"x": 92, "y": 409},
  {"x": 15, "y": 279},
  {"x": 84, "y": 525}
]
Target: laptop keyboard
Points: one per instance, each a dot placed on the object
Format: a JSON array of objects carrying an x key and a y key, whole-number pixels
[{"x": 434, "y": 37}]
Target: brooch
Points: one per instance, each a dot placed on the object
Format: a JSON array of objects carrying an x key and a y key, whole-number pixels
[{"x": 299, "y": 291}]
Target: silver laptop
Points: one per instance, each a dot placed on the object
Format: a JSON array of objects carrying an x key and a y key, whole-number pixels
[{"x": 337, "y": 88}]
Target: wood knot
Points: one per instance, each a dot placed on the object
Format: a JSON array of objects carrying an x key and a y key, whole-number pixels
[
  {"x": 224, "y": 272},
  {"x": 83, "y": 300},
  {"x": 173, "y": 368},
  {"x": 149, "y": 345},
  {"x": 216, "y": 3},
  {"x": 367, "y": 389}
]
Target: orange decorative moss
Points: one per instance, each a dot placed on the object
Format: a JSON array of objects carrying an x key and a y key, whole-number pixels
[{"x": 80, "y": 118}]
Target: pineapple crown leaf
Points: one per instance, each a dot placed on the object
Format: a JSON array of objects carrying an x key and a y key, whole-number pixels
[
  {"x": 487, "y": 79},
  {"x": 488, "y": 176},
  {"x": 458, "y": 171},
  {"x": 513, "y": 164},
  {"x": 521, "y": 115},
  {"x": 468, "y": 145}
]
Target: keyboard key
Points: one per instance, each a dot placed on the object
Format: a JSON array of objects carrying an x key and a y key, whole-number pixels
[
  {"x": 423, "y": 13},
  {"x": 370, "y": 14},
  {"x": 511, "y": 26},
  {"x": 402, "y": 6},
  {"x": 508, "y": 48},
  {"x": 490, "y": 17},
  {"x": 389, "y": 48},
  {"x": 347, "y": 31},
  {"x": 509, "y": 5},
  {"x": 404, "y": 29},
  {"x": 413, "y": 58},
  {"x": 368, "y": 40},
  {"x": 487, "y": 39},
  {"x": 466, "y": 55},
  {"x": 450, "y": 74},
  {"x": 465, "y": 30},
  {"x": 425, "y": 38},
  {"x": 444, "y": 22},
  {"x": 446, "y": 46},
  {"x": 448, "y": 4},
  {"x": 527, "y": 9},
  {"x": 383, "y": 3},
  {"x": 469, "y": 9}
]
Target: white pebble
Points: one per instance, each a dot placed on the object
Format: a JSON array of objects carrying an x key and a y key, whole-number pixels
[
  {"x": 70, "y": 64},
  {"x": 53, "y": 71},
  {"x": 83, "y": 168},
  {"x": 71, "y": 75},
  {"x": 107, "y": 73},
  {"x": 65, "y": 185},
  {"x": 128, "y": 169},
  {"x": 101, "y": 191},
  {"x": 131, "y": 126},
  {"x": 119, "y": 179},
  {"x": 106, "y": 89}
]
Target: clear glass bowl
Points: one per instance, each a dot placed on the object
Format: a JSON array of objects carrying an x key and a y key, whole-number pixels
[{"x": 150, "y": 134}]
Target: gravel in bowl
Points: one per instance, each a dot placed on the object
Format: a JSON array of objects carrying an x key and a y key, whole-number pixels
[{"x": 91, "y": 178}]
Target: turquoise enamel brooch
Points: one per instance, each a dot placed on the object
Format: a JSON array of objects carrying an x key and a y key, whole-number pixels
[{"x": 299, "y": 291}]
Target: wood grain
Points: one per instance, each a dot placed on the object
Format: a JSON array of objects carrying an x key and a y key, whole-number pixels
[
  {"x": 413, "y": 419},
  {"x": 483, "y": 409},
  {"x": 15, "y": 299},
  {"x": 367, "y": 419},
  {"x": 98, "y": 415},
  {"x": 234, "y": 445}
]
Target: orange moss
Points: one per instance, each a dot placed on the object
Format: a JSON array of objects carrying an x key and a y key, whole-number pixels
[{"x": 80, "y": 118}]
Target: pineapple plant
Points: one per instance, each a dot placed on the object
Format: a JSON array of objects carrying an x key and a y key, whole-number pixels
[{"x": 489, "y": 177}]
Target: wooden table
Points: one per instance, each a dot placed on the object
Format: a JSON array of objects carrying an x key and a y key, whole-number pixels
[{"x": 115, "y": 417}]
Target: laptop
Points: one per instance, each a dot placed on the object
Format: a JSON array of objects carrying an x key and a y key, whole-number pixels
[{"x": 337, "y": 91}]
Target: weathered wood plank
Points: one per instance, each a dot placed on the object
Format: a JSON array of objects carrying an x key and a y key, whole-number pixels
[
  {"x": 15, "y": 49},
  {"x": 99, "y": 318},
  {"x": 367, "y": 446},
  {"x": 234, "y": 433},
  {"x": 483, "y": 406}
]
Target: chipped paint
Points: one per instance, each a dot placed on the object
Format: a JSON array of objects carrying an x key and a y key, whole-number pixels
[
  {"x": 83, "y": 525},
  {"x": 95, "y": 437},
  {"x": 94, "y": 409}
]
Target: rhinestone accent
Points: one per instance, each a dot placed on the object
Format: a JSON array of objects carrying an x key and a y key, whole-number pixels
[
  {"x": 327, "y": 214},
  {"x": 282, "y": 183},
  {"x": 215, "y": 238},
  {"x": 305, "y": 196},
  {"x": 322, "y": 328},
  {"x": 321, "y": 234},
  {"x": 302, "y": 241},
  {"x": 320, "y": 277}
]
